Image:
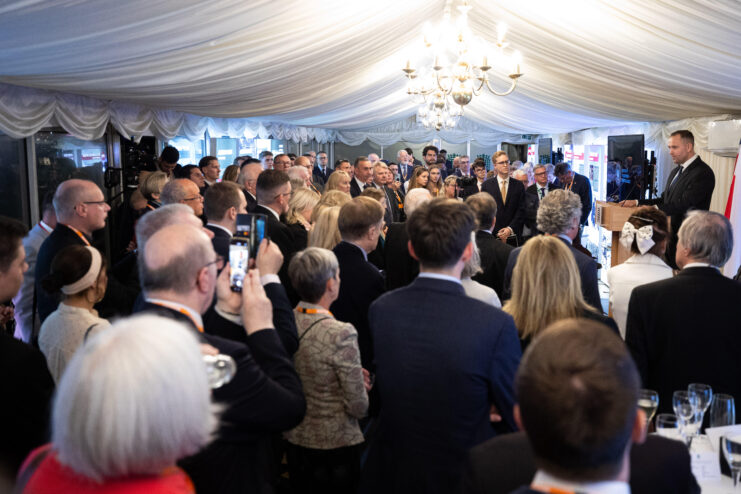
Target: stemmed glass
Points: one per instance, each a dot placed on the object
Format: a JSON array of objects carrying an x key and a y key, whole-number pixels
[
  {"x": 648, "y": 401},
  {"x": 722, "y": 411},
  {"x": 704, "y": 397},
  {"x": 667, "y": 426},
  {"x": 220, "y": 369},
  {"x": 731, "y": 446},
  {"x": 685, "y": 407}
]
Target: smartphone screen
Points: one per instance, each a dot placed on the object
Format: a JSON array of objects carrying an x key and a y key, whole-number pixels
[{"x": 239, "y": 255}]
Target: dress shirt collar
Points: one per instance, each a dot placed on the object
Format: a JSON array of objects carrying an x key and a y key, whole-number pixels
[
  {"x": 699, "y": 265},
  {"x": 194, "y": 315},
  {"x": 365, "y": 254},
  {"x": 542, "y": 187},
  {"x": 501, "y": 180},
  {"x": 605, "y": 487},
  {"x": 214, "y": 225},
  {"x": 688, "y": 163},
  {"x": 209, "y": 182},
  {"x": 277, "y": 216},
  {"x": 438, "y": 276},
  {"x": 565, "y": 238},
  {"x": 360, "y": 184},
  {"x": 250, "y": 193}
]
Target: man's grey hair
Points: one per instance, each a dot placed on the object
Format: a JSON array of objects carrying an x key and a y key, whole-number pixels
[
  {"x": 557, "y": 211},
  {"x": 544, "y": 167},
  {"x": 298, "y": 172},
  {"x": 174, "y": 191},
  {"x": 399, "y": 153},
  {"x": 161, "y": 217},
  {"x": 108, "y": 423},
  {"x": 180, "y": 272},
  {"x": 415, "y": 198},
  {"x": 309, "y": 271},
  {"x": 708, "y": 236},
  {"x": 473, "y": 266},
  {"x": 68, "y": 195},
  {"x": 519, "y": 173}
]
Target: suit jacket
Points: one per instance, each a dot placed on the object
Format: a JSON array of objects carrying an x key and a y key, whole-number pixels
[
  {"x": 531, "y": 206},
  {"x": 424, "y": 356},
  {"x": 355, "y": 189},
  {"x": 401, "y": 268},
  {"x": 118, "y": 299},
  {"x": 220, "y": 241},
  {"x": 284, "y": 239},
  {"x": 361, "y": 284},
  {"x": 505, "y": 462},
  {"x": 587, "y": 273},
  {"x": 27, "y": 388},
  {"x": 264, "y": 397},
  {"x": 686, "y": 329},
  {"x": 396, "y": 202},
  {"x": 25, "y": 308},
  {"x": 406, "y": 171},
  {"x": 494, "y": 256},
  {"x": 251, "y": 201},
  {"x": 583, "y": 189},
  {"x": 470, "y": 190},
  {"x": 319, "y": 176},
  {"x": 511, "y": 213},
  {"x": 693, "y": 190}
]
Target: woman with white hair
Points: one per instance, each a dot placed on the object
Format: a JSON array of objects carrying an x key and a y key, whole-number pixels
[
  {"x": 324, "y": 449},
  {"x": 133, "y": 400},
  {"x": 78, "y": 273},
  {"x": 474, "y": 289}
]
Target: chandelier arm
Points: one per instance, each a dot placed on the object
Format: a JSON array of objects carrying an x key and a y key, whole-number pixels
[
  {"x": 511, "y": 88},
  {"x": 442, "y": 88}
]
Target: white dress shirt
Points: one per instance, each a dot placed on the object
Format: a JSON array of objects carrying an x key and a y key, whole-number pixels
[
  {"x": 637, "y": 270},
  {"x": 604, "y": 487}
]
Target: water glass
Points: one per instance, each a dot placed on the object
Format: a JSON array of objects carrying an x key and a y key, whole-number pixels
[
  {"x": 667, "y": 425},
  {"x": 731, "y": 446},
  {"x": 704, "y": 394},
  {"x": 722, "y": 411},
  {"x": 685, "y": 407},
  {"x": 648, "y": 401},
  {"x": 220, "y": 369}
]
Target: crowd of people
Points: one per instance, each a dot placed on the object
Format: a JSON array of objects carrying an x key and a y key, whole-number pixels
[{"x": 407, "y": 326}]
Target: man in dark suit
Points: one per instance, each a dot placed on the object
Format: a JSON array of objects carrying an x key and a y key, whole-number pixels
[
  {"x": 494, "y": 253},
  {"x": 222, "y": 203},
  {"x": 401, "y": 267},
  {"x": 273, "y": 193},
  {"x": 510, "y": 197},
  {"x": 503, "y": 463},
  {"x": 81, "y": 210},
  {"x": 690, "y": 186},
  {"x": 26, "y": 385},
  {"x": 248, "y": 181},
  {"x": 322, "y": 171},
  {"x": 440, "y": 366},
  {"x": 572, "y": 366},
  {"x": 559, "y": 215},
  {"x": 479, "y": 171},
  {"x": 178, "y": 268},
  {"x": 405, "y": 167},
  {"x": 381, "y": 176},
  {"x": 360, "y": 222},
  {"x": 685, "y": 329},
  {"x": 536, "y": 192},
  {"x": 579, "y": 184},
  {"x": 463, "y": 168},
  {"x": 363, "y": 176}
]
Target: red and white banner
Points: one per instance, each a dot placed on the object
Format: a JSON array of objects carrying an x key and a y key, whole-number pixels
[{"x": 733, "y": 213}]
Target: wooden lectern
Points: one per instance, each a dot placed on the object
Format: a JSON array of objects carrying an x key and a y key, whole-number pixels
[{"x": 611, "y": 216}]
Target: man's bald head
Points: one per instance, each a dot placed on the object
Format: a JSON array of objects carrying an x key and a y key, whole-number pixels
[
  {"x": 173, "y": 258},
  {"x": 170, "y": 214},
  {"x": 303, "y": 161},
  {"x": 73, "y": 203},
  {"x": 299, "y": 172},
  {"x": 183, "y": 191},
  {"x": 248, "y": 177}
]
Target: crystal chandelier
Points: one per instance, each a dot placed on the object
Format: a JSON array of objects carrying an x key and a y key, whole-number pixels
[{"x": 443, "y": 88}]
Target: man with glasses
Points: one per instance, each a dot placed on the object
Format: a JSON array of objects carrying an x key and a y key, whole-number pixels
[
  {"x": 536, "y": 193},
  {"x": 282, "y": 162},
  {"x": 462, "y": 170},
  {"x": 81, "y": 209},
  {"x": 183, "y": 191},
  {"x": 510, "y": 197},
  {"x": 322, "y": 171},
  {"x": 248, "y": 180},
  {"x": 579, "y": 184}
]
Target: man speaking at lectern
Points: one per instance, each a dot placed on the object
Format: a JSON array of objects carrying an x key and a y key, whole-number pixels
[{"x": 689, "y": 186}]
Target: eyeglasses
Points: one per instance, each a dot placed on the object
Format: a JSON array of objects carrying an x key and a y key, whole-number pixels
[
  {"x": 99, "y": 203},
  {"x": 502, "y": 162},
  {"x": 197, "y": 197},
  {"x": 540, "y": 173},
  {"x": 219, "y": 261}
]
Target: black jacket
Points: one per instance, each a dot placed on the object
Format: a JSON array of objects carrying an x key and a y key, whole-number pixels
[
  {"x": 494, "y": 256},
  {"x": 512, "y": 213},
  {"x": 401, "y": 268}
]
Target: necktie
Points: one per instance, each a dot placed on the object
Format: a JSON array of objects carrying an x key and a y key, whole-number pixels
[
  {"x": 541, "y": 192},
  {"x": 674, "y": 180},
  {"x": 504, "y": 191}
]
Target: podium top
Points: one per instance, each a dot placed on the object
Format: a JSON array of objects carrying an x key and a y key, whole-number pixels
[{"x": 611, "y": 216}]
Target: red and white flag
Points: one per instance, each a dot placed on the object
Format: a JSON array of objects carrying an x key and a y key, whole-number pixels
[{"x": 733, "y": 213}]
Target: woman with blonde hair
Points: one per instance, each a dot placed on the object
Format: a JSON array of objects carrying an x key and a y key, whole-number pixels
[
  {"x": 338, "y": 180},
  {"x": 328, "y": 200},
  {"x": 546, "y": 288},
  {"x": 151, "y": 188},
  {"x": 298, "y": 217},
  {"x": 450, "y": 187},
  {"x": 420, "y": 177},
  {"x": 230, "y": 173},
  {"x": 435, "y": 183},
  {"x": 326, "y": 232}
]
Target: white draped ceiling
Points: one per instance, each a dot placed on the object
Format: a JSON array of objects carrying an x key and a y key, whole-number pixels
[{"x": 330, "y": 69}]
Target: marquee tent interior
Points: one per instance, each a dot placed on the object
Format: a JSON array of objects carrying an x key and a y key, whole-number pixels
[{"x": 330, "y": 70}]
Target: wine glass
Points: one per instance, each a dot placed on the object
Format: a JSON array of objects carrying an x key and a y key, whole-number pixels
[
  {"x": 685, "y": 407},
  {"x": 667, "y": 425},
  {"x": 220, "y": 369},
  {"x": 722, "y": 411},
  {"x": 648, "y": 401},
  {"x": 704, "y": 394},
  {"x": 731, "y": 445}
]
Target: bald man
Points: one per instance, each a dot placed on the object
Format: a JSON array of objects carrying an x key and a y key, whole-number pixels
[
  {"x": 179, "y": 277},
  {"x": 81, "y": 209},
  {"x": 183, "y": 191},
  {"x": 248, "y": 180}
]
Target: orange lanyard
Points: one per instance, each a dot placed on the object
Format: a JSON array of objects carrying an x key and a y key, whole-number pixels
[
  {"x": 553, "y": 490},
  {"x": 79, "y": 234},
  {"x": 151, "y": 208},
  {"x": 399, "y": 202},
  {"x": 571, "y": 184},
  {"x": 182, "y": 310},
  {"x": 304, "y": 310},
  {"x": 316, "y": 190}
]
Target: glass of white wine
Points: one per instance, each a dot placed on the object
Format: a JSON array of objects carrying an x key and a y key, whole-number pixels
[
  {"x": 731, "y": 445},
  {"x": 648, "y": 401}
]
